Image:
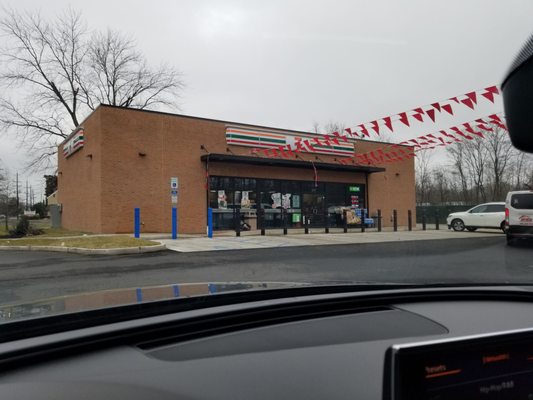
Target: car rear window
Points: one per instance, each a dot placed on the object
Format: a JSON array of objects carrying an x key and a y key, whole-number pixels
[{"x": 522, "y": 201}]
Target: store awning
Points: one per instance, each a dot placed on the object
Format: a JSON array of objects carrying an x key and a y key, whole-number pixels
[{"x": 277, "y": 162}]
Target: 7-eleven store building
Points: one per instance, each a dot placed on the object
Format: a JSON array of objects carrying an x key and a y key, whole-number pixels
[{"x": 120, "y": 159}]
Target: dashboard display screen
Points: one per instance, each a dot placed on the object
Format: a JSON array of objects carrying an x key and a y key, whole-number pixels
[{"x": 489, "y": 367}]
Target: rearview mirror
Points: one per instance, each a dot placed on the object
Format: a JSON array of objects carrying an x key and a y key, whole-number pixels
[{"x": 517, "y": 91}]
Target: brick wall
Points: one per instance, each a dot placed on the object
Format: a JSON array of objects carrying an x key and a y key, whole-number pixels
[{"x": 99, "y": 194}]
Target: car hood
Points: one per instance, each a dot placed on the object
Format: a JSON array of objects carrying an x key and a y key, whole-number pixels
[
  {"x": 457, "y": 214},
  {"x": 120, "y": 297}
]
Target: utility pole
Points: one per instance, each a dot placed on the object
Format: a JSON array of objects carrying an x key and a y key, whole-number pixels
[
  {"x": 27, "y": 197},
  {"x": 18, "y": 203}
]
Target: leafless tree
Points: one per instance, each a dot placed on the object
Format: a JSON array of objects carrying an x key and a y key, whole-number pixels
[
  {"x": 423, "y": 175},
  {"x": 54, "y": 73}
]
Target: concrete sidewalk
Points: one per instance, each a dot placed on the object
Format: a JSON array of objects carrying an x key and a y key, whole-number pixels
[{"x": 314, "y": 239}]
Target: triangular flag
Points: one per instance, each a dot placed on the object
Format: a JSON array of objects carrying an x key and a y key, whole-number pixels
[
  {"x": 403, "y": 118},
  {"x": 336, "y": 141},
  {"x": 489, "y": 96},
  {"x": 375, "y": 126},
  {"x": 431, "y": 114},
  {"x": 388, "y": 123},
  {"x": 454, "y": 99},
  {"x": 447, "y": 108},
  {"x": 364, "y": 130},
  {"x": 419, "y": 110},
  {"x": 485, "y": 128},
  {"x": 495, "y": 117},
  {"x": 468, "y": 103},
  {"x": 350, "y": 133},
  {"x": 317, "y": 141},
  {"x": 418, "y": 117},
  {"x": 431, "y": 136},
  {"x": 472, "y": 97},
  {"x": 492, "y": 89},
  {"x": 436, "y": 106}
]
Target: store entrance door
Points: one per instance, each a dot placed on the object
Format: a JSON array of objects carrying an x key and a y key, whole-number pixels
[{"x": 313, "y": 208}]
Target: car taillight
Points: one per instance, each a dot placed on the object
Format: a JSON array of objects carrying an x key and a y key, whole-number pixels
[{"x": 506, "y": 216}]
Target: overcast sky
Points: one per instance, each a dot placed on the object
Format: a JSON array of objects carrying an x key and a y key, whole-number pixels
[{"x": 289, "y": 64}]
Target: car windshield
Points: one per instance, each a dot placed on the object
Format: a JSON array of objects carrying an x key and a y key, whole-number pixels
[{"x": 162, "y": 150}]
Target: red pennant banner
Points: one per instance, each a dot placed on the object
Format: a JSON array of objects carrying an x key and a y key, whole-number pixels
[
  {"x": 388, "y": 123},
  {"x": 364, "y": 130},
  {"x": 454, "y": 99},
  {"x": 436, "y": 106},
  {"x": 447, "y": 108},
  {"x": 431, "y": 114},
  {"x": 489, "y": 96},
  {"x": 472, "y": 97},
  {"x": 468, "y": 103},
  {"x": 336, "y": 141},
  {"x": 375, "y": 126},
  {"x": 403, "y": 118},
  {"x": 418, "y": 117},
  {"x": 492, "y": 89}
]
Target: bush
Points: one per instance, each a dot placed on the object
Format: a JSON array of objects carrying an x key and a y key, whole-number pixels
[{"x": 24, "y": 228}]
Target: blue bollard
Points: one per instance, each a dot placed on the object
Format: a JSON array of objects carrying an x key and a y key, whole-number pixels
[
  {"x": 209, "y": 222},
  {"x": 174, "y": 223},
  {"x": 137, "y": 222}
]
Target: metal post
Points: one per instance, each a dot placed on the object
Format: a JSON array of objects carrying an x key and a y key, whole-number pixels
[
  {"x": 424, "y": 220},
  {"x": 209, "y": 222},
  {"x": 409, "y": 222},
  {"x": 174, "y": 223},
  {"x": 436, "y": 220},
  {"x": 344, "y": 221},
  {"x": 379, "y": 220},
  {"x": 137, "y": 222},
  {"x": 261, "y": 220},
  {"x": 363, "y": 216},
  {"x": 326, "y": 220},
  {"x": 395, "y": 220},
  {"x": 237, "y": 214},
  {"x": 306, "y": 224},
  {"x": 284, "y": 220}
]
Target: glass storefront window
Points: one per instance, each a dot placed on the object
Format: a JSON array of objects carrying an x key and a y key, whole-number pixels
[{"x": 292, "y": 200}]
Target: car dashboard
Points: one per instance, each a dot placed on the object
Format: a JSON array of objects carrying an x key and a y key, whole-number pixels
[{"x": 366, "y": 345}]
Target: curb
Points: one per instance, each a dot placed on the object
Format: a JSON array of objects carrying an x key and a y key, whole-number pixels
[{"x": 80, "y": 250}]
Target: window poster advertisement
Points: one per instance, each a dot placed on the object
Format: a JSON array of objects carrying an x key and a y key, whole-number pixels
[
  {"x": 296, "y": 201},
  {"x": 245, "y": 200},
  {"x": 222, "y": 200},
  {"x": 286, "y": 200},
  {"x": 276, "y": 200},
  {"x": 352, "y": 218}
]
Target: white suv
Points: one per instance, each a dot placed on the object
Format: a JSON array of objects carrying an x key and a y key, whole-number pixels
[
  {"x": 519, "y": 215},
  {"x": 488, "y": 215}
]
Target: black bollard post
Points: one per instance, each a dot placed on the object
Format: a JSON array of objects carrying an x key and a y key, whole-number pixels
[
  {"x": 344, "y": 221},
  {"x": 395, "y": 220},
  {"x": 284, "y": 220},
  {"x": 424, "y": 220},
  {"x": 306, "y": 224},
  {"x": 409, "y": 220},
  {"x": 326, "y": 220},
  {"x": 436, "y": 220},
  {"x": 363, "y": 216},
  {"x": 379, "y": 220},
  {"x": 261, "y": 221},
  {"x": 237, "y": 214}
]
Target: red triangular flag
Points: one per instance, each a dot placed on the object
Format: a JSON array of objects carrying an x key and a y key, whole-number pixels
[
  {"x": 436, "y": 106},
  {"x": 403, "y": 118},
  {"x": 489, "y": 96},
  {"x": 336, "y": 141},
  {"x": 431, "y": 114},
  {"x": 350, "y": 133},
  {"x": 431, "y": 136},
  {"x": 317, "y": 141},
  {"x": 447, "y": 108},
  {"x": 468, "y": 103},
  {"x": 388, "y": 123},
  {"x": 418, "y": 117},
  {"x": 364, "y": 130},
  {"x": 454, "y": 99},
  {"x": 492, "y": 89},
  {"x": 472, "y": 97},
  {"x": 485, "y": 128},
  {"x": 375, "y": 126},
  {"x": 495, "y": 117},
  {"x": 419, "y": 110}
]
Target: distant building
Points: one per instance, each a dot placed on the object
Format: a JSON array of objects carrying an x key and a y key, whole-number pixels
[{"x": 120, "y": 159}]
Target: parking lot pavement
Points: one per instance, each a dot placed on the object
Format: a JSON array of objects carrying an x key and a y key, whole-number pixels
[{"x": 314, "y": 239}]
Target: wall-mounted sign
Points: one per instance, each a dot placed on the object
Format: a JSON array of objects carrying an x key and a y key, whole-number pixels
[
  {"x": 354, "y": 189},
  {"x": 174, "y": 183},
  {"x": 74, "y": 143},
  {"x": 273, "y": 140}
]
